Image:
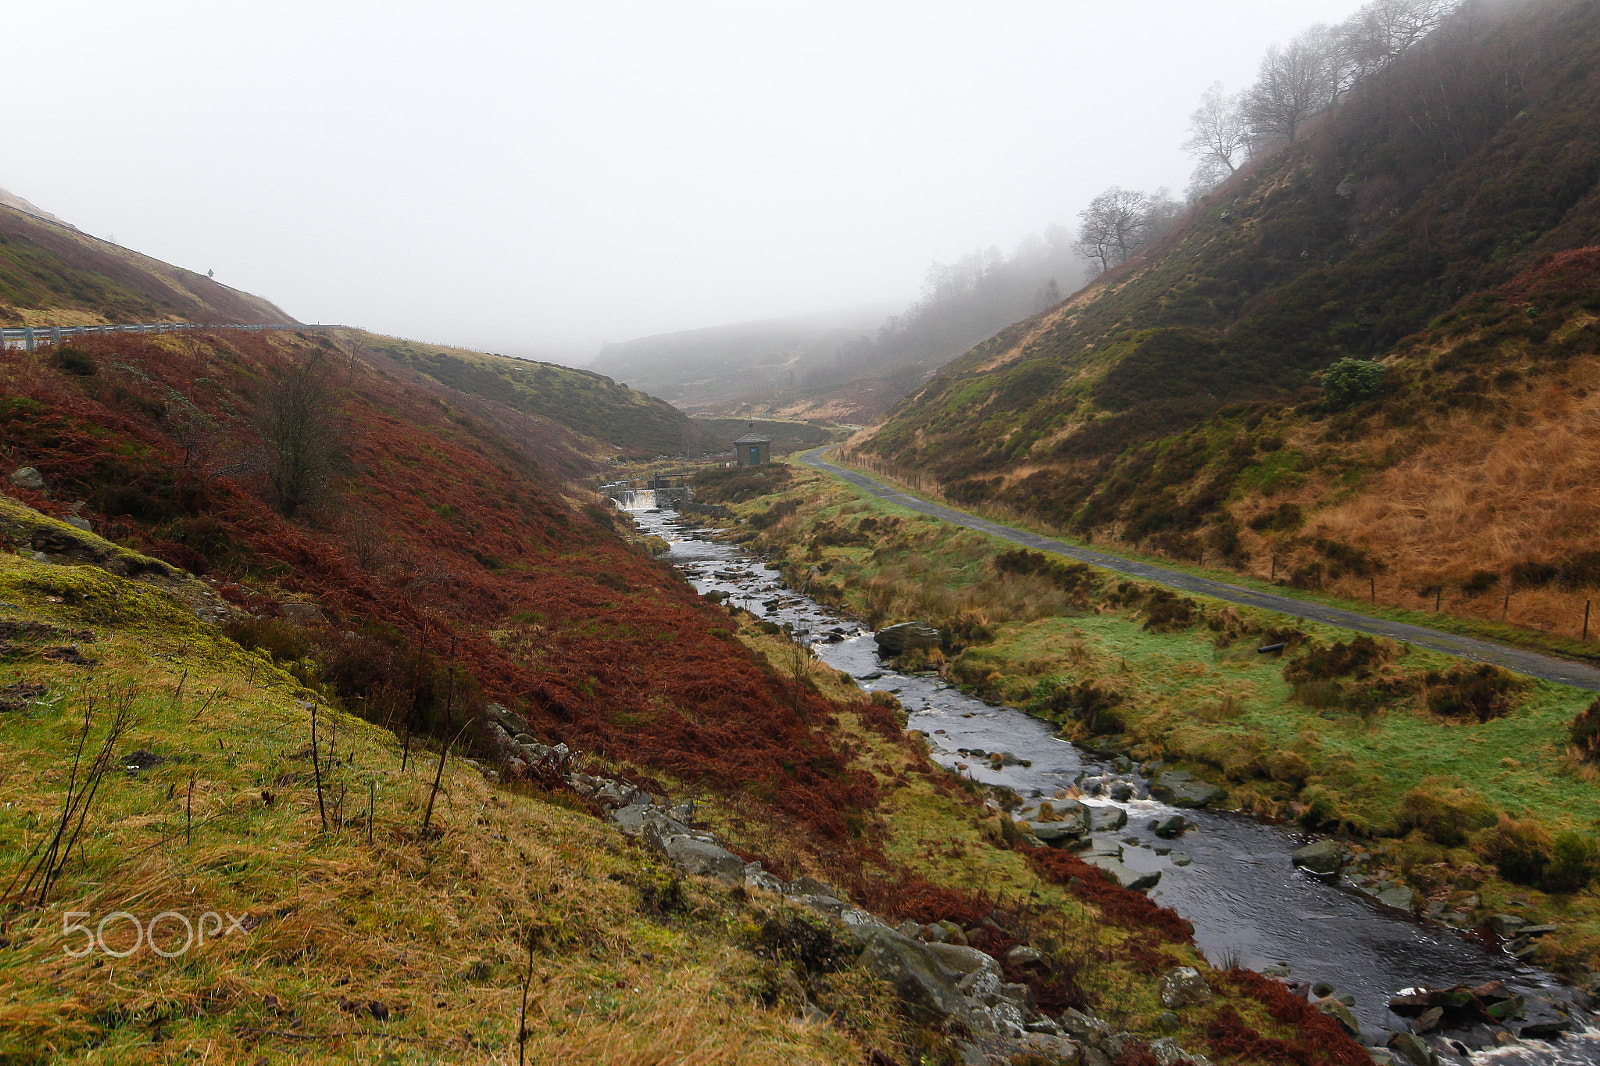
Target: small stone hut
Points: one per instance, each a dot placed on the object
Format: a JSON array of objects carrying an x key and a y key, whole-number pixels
[{"x": 753, "y": 449}]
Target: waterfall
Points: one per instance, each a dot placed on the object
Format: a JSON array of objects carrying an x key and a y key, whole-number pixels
[{"x": 634, "y": 499}]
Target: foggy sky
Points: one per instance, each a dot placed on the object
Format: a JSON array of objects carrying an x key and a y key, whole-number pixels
[{"x": 536, "y": 178}]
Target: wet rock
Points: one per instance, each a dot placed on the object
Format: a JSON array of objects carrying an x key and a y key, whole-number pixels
[
  {"x": 1506, "y": 925},
  {"x": 1181, "y": 858},
  {"x": 1397, "y": 896},
  {"x": 1121, "y": 792},
  {"x": 1182, "y": 986},
  {"x": 1106, "y": 819},
  {"x": 1341, "y": 1013},
  {"x": 1321, "y": 857},
  {"x": 896, "y": 639},
  {"x": 924, "y": 984},
  {"x": 1169, "y": 828},
  {"x": 1125, "y": 875},
  {"x": 1410, "y": 1048},
  {"x": 26, "y": 477},
  {"x": 1182, "y": 789},
  {"x": 1055, "y": 832},
  {"x": 1541, "y": 1018}
]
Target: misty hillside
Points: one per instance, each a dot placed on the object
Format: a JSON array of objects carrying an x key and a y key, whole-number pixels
[
  {"x": 1183, "y": 402},
  {"x": 850, "y": 365},
  {"x": 54, "y": 274},
  {"x": 699, "y": 367}
]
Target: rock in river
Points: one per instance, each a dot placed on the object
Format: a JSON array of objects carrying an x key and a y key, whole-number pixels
[
  {"x": 1322, "y": 857},
  {"x": 895, "y": 639}
]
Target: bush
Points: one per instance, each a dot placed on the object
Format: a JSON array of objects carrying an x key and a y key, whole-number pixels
[
  {"x": 1167, "y": 612},
  {"x": 1444, "y": 813},
  {"x": 1349, "y": 381},
  {"x": 1321, "y": 662},
  {"x": 1585, "y": 733},
  {"x": 1520, "y": 850},
  {"x": 1476, "y": 693},
  {"x": 70, "y": 360},
  {"x": 1574, "y": 863}
]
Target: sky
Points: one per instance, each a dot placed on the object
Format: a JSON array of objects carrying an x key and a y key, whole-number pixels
[{"x": 539, "y": 178}]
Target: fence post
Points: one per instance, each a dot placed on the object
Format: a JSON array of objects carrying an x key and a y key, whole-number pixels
[
  {"x": 55, "y": 335},
  {"x": 1506, "y": 606},
  {"x": 1586, "y": 619},
  {"x": 1438, "y": 595},
  {"x": 1372, "y": 587},
  {"x": 29, "y": 343}
]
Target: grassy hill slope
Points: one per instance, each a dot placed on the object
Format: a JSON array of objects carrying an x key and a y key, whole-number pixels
[
  {"x": 1175, "y": 404},
  {"x": 54, "y": 274}
]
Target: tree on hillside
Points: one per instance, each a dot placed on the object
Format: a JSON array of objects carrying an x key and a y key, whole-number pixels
[
  {"x": 1383, "y": 30},
  {"x": 1120, "y": 222},
  {"x": 298, "y": 419},
  {"x": 1295, "y": 83},
  {"x": 1218, "y": 135}
]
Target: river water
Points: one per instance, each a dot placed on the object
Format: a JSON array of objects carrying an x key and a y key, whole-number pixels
[{"x": 1241, "y": 891}]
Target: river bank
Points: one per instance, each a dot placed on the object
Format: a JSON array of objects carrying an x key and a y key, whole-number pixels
[{"x": 1361, "y": 748}]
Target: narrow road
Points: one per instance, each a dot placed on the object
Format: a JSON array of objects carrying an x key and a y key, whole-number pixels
[{"x": 1544, "y": 667}]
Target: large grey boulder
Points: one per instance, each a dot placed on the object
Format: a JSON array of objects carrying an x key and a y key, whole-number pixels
[
  {"x": 1106, "y": 819},
  {"x": 1055, "y": 832},
  {"x": 924, "y": 984},
  {"x": 1182, "y": 789},
  {"x": 27, "y": 477},
  {"x": 1182, "y": 986},
  {"x": 898, "y": 638},
  {"x": 701, "y": 859},
  {"x": 1321, "y": 857},
  {"x": 964, "y": 960}
]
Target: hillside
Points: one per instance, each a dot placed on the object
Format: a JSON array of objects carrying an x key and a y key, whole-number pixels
[
  {"x": 608, "y": 416},
  {"x": 54, "y": 274},
  {"x": 701, "y": 367},
  {"x": 1180, "y": 404}
]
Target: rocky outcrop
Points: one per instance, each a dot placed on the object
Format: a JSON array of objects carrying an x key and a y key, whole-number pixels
[{"x": 893, "y": 640}]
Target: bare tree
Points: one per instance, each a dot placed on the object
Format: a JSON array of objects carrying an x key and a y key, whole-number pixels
[
  {"x": 1383, "y": 30},
  {"x": 1295, "y": 83},
  {"x": 1120, "y": 222},
  {"x": 298, "y": 419},
  {"x": 1218, "y": 132}
]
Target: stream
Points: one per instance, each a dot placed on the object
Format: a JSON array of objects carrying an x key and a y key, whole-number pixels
[{"x": 1239, "y": 888}]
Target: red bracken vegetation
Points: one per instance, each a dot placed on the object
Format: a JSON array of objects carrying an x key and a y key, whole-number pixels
[
  {"x": 442, "y": 534},
  {"x": 1319, "y": 1038},
  {"x": 1131, "y": 910}
]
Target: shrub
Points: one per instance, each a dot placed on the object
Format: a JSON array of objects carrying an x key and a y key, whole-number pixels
[
  {"x": 1585, "y": 733},
  {"x": 70, "y": 360},
  {"x": 1167, "y": 612},
  {"x": 1321, "y": 662},
  {"x": 1478, "y": 693},
  {"x": 1520, "y": 850},
  {"x": 1480, "y": 582},
  {"x": 1349, "y": 381},
  {"x": 1574, "y": 863},
  {"x": 1285, "y": 518},
  {"x": 1443, "y": 812}
]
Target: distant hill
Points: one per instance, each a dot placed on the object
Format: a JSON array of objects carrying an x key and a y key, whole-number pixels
[
  {"x": 697, "y": 368},
  {"x": 1180, "y": 403},
  {"x": 54, "y": 274}
]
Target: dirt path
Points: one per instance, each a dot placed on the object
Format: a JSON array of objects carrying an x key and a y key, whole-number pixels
[{"x": 1533, "y": 664}]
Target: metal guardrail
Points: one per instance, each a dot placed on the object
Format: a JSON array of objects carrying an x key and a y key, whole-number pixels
[{"x": 34, "y": 337}]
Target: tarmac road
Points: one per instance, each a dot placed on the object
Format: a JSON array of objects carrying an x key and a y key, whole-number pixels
[{"x": 1545, "y": 667}]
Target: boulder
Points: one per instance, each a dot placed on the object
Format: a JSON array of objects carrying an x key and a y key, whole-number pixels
[
  {"x": 1182, "y": 986},
  {"x": 1321, "y": 857},
  {"x": 1410, "y": 1048},
  {"x": 302, "y": 614},
  {"x": 701, "y": 859},
  {"x": 1023, "y": 957},
  {"x": 924, "y": 984},
  {"x": 1055, "y": 832},
  {"x": 1124, "y": 875},
  {"x": 27, "y": 477},
  {"x": 755, "y": 876},
  {"x": 1104, "y": 819},
  {"x": 964, "y": 960},
  {"x": 1340, "y": 1013},
  {"x": 807, "y": 885},
  {"x": 1182, "y": 789},
  {"x": 899, "y": 638},
  {"x": 1169, "y": 828},
  {"x": 1397, "y": 896}
]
